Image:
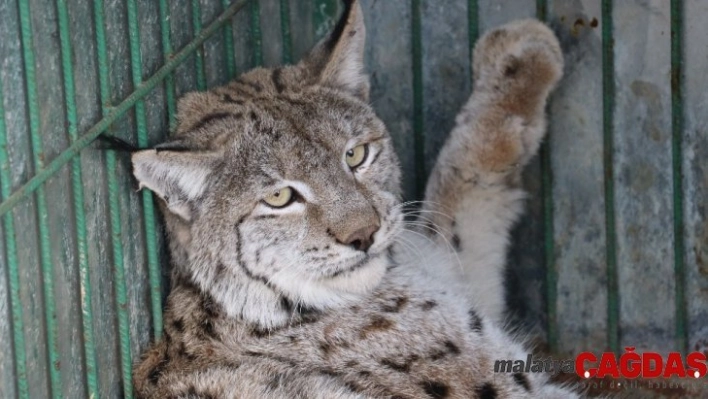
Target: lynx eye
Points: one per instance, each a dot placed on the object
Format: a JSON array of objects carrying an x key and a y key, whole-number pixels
[
  {"x": 357, "y": 155},
  {"x": 281, "y": 198}
]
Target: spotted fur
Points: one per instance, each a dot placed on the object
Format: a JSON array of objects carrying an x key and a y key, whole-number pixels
[{"x": 330, "y": 296}]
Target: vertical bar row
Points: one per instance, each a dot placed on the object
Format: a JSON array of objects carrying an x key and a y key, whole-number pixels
[
  {"x": 285, "y": 31},
  {"x": 199, "y": 55},
  {"x": 256, "y": 42},
  {"x": 78, "y": 194},
  {"x": 229, "y": 46},
  {"x": 147, "y": 200},
  {"x": 121, "y": 296},
  {"x": 18, "y": 335},
  {"x": 418, "y": 120},
  {"x": 548, "y": 223},
  {"x": 42, "y": 214},
  {"x": 167, "y": 53},
  {"x": 608, "y": 110},
  {"x": 677, "y": 159}
]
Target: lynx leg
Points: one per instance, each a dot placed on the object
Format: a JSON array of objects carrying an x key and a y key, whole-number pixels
[{"x": 473, "y": 197}]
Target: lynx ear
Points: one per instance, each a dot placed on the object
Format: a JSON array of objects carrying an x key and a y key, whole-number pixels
[
  {"x": 338, "y": 60},
  {"x": 178, "y": 178}
]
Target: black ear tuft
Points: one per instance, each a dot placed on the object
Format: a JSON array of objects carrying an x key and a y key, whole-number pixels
[
  {"x": 338, "y": 60},
  {"x": 341, "y": 24},
  {"x": 115, "y": 144},
  {"x": 174, "y": 146}
]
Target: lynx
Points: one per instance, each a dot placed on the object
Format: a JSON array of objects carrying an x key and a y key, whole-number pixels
[{"x": 298, "y": 273}]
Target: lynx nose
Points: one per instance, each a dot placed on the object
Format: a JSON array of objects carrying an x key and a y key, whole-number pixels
[{"x": 362, "y": 239}]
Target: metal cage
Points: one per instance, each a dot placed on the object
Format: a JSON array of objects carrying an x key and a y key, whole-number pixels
[{"x": 613, "y": 251}]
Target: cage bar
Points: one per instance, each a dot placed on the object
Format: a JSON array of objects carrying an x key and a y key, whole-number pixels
[
  {"x": 229, "y": 47},
  {"x": 199, "y": 55},
  {"x": 149, "y": 218},
  {"x": 121, "y": 297},
  {"x": 608, "y": 111},
  {"x": 285, "y": 31},
  {"x": 167, "y": 53},
  {"x": 147, "y": 197},
  {"x": 548, "y": 224},
  {"x": 418, "y": 120},
  {"x": 18, "y": 335},
  {"x": 54, "y": 366},
  {"x": 256, "y": 39},
  {"x": 78, "y": 199},
  {"x": 677, "y": 123}
]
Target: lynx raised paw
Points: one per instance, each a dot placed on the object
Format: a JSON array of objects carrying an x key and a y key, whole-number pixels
[
  {"x": 516, "y": 66},
  {"x": 521, "y": 59},
  {"x": 476, "y": 179}
]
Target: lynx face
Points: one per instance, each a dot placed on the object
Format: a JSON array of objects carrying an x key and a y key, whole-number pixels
[{"x": 280, "y": 189}]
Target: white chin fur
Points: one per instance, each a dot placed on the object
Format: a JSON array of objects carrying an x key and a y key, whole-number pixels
[
  {"x": 361, "y": 280},
  {"x": 337, "y": 291}
]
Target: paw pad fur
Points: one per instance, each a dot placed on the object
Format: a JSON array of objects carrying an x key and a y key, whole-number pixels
[{"x": 519, "y": 56}]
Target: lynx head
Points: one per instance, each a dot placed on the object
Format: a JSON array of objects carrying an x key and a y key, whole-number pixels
[{"x": 279, "y": 190}]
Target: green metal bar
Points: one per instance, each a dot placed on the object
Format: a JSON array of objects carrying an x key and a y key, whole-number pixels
[
  {"x": 197, "y": 26},
  {"x": 472, "y": 30},
  {"x": 256, "y": 40},
  {"x": 42, "y": 214},
  {"x": 542, "y": 10},
  {"x": 549, "y": 247},
  {"x": 677, "y": 157},
  {"x": 148, "y": 205},
  {"x": 418, "y": 120},
  {"x": 285, "y": 31},
  {"x": 103, "y": 83},
  {"x": 548, "y": 233},
  {"x": 166, "y": 54},
  {"x": 114, "y": 192},
  {"x": 78, "y": 194},
  {"x": 18, "y": 336},
  {"x": 608, "y": 111},
  {"x": 121, "y": 295},
  {"x": 116, "y": 112},
  {"x": 324, "y": 17},
  {"x": 229, "y": 46}
]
